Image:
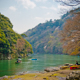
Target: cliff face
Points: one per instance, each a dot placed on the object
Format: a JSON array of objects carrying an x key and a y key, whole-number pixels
[{"x": 11, "y": 44}]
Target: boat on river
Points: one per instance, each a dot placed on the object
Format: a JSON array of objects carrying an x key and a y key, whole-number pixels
[
  {"x": 75, "y": 67},
  {"x": 34, "y": 59},
  {"x": 18, "y": 61}
]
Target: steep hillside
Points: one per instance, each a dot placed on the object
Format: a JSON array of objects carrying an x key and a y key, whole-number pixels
[
  {"x": 45, "y": 38},
  {"x": 11, "y": 44}
]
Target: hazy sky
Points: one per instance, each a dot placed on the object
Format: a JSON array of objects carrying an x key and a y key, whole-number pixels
[{"x": 26, "y": 14}]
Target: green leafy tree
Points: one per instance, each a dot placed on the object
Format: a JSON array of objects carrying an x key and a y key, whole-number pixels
[
  {"x": 23, "y": 35},
  {"x": 11, "y": 43},
  {"x": 4, "y": 44}
]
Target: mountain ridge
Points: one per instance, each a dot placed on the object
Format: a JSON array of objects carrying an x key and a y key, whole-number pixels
[{"x": 45, "y": 36}]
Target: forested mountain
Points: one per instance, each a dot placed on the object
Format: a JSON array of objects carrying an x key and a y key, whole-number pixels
[
  {"x": 45, "y": 38},
  {"x": 11, "y": 43}
]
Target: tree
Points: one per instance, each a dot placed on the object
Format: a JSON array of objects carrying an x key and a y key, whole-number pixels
[
  {"x": 69, "y": 2},
  {"x": 11, "y": 44},
  {"x": 4, "y": 44},
  {"x": 20, "y": 45},
  {"x": 71, "y": 5},
  {"x": 23, "y": 35},
  {"x": 70, "y": 35}
]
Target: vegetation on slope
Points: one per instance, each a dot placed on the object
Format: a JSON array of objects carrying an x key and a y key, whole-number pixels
[
  {"x": 45, "y": 37},
  {"x": 70, "y": 35},
  {"x": 11, "y": 44}
]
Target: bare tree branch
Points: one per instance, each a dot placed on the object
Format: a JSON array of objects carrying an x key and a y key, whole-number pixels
[{"x": 69, "y": 2}]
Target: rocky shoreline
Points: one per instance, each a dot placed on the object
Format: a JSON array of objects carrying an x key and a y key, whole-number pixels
[
  {"x": 52, "y": 69},
  {"x": 51, "y": 73}
]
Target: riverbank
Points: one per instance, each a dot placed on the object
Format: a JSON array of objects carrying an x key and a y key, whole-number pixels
[{"x": 55, "y": 75}]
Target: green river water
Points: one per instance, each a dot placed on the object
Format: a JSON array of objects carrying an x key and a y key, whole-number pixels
[{"x": 8, "y": 67}]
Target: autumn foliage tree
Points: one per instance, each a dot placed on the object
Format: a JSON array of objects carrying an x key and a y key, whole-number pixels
[{"x": 70, "y": 35}]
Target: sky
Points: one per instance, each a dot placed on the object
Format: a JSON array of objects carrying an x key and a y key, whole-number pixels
[{"x": 26, "y": 14}]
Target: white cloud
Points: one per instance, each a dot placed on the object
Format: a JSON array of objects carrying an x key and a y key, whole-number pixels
[
  {"x": 38, "y": 18},
  {"x": 28, "y": 4},
  {"x": 40, "y": 0},
  {"x": 48, "y": 19},
  {"x": 53, "y": 0},
  {"x": 64, "y": 7},
  {"x": 44, "y": 7},
  {"x": 12, "y": 8},
  {"x": 44, "y": 0},
  {"x": 53, "y": 8},
  {"x": 48, "y": 13},
  {"x": 37, "y": 0}
]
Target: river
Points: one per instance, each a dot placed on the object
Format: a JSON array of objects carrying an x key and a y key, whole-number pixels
[{"x": 8, "y": 67}]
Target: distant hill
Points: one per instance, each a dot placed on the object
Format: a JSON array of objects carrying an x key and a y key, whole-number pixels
[
  {"x": 11, "y": 43},
  {"x": 44, "y": 38}
]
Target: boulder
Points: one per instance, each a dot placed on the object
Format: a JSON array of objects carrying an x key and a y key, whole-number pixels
[
  {"x": 1, "y": 78},
  {"x": 74, "y": 75},
  {"x": 4, "y": 77},
  {"x": 52, "y": 69},
  {"x": 67, "y": 64},
  {"x": 70, "y": 65}
]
